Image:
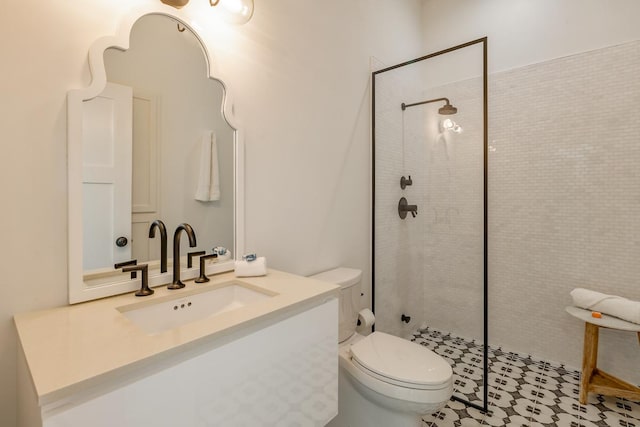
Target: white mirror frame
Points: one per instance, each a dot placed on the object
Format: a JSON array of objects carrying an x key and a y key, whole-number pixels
[{"x": 80, "y": 291}]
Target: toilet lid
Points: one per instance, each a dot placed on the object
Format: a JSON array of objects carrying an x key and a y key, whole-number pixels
[{"x": 400, "y": 361}]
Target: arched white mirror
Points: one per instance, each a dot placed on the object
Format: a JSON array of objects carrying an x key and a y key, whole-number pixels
[{"x": 149, "y": 140}]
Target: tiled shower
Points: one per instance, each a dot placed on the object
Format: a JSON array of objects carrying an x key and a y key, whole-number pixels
[
  {"x": 427, "y": 265},
  {"x": 563, "y": 202}
]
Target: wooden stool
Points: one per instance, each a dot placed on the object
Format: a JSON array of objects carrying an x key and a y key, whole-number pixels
[{"x": 593, "y": 379}]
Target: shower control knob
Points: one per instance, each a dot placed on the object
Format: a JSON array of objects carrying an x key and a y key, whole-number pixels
[
  {"x": 405, "y": 182},
  {"x": 121, "y": 242},
  {"x": 404, "y": 207}
]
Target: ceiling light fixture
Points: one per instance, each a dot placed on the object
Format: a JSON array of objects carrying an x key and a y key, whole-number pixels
[{"x": 235, "y": 11}]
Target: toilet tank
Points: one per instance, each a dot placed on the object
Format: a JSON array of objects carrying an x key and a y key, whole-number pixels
[{"x": 349, "y": 281}]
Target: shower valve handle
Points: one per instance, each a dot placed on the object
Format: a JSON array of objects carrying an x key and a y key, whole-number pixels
[
  {"x": 404, "y": 207},
  {"x": 404, "y": 182}
]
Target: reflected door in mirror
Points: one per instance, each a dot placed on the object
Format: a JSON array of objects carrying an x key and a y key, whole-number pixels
[{"x": 106, "y": 171}]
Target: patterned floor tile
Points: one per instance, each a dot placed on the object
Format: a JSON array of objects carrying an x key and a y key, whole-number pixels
[
  {"x": 523, "y": 390},
  {"x": 443, "y": 418}
]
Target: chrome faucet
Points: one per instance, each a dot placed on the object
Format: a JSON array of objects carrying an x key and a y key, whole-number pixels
[
  {"x": 177, "y": 284},
  {"x": 163, "y": 242}
]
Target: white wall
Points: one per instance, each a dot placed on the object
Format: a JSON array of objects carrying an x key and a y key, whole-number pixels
[
  {"x": 523, "y": 32},
  {"x": 561, "y": 195},
  {"x": 300, "y": 77}
]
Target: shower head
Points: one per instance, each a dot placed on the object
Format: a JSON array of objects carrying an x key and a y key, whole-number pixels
[{"x": 447, "y": 110}]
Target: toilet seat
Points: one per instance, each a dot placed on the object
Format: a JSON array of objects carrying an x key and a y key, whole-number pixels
[{"x": 400, "y": 362}]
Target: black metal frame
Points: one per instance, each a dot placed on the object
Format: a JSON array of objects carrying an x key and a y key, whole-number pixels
[{"x": 483, "y": 41}]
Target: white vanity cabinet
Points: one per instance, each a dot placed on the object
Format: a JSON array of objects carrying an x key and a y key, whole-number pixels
[{"x": 277, "y": 370}]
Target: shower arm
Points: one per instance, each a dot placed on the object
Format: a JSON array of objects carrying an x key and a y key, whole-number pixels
[{"x": 405, "y": 106}]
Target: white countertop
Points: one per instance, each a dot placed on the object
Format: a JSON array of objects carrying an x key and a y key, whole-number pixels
[{"x": 73, "y": 348}]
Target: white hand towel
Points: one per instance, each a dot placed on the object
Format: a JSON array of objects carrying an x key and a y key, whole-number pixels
[
  {"x": 208, "y": 179},
  {"x": 214, "y": 179},
  {"x": 612, "y": 305},
  {"x": 251, "y": 268}
]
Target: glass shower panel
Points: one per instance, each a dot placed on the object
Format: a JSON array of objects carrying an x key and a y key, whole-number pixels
[
  {"x": 429, "y": 269},
  {"x": 398, "y": 242}
]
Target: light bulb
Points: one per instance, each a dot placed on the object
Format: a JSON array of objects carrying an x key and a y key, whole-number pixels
[
  {"x": 236, "y": 11},
  {"x": 447, "y": 124}
]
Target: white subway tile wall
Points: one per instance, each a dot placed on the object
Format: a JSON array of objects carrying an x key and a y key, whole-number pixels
[{"x": 564, "y": 204}]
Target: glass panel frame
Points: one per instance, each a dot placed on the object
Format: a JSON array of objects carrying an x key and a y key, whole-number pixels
[{"x": 482, "y": 42}]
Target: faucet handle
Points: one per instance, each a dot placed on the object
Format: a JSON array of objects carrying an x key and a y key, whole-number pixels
[
  {"x": 203, "y": 277},
  {"x": 119, "y": 265},
  {"x": 190, "y": 256},
  {"x": 404, "y": 182},
  {"x": 144, "y": 289}
]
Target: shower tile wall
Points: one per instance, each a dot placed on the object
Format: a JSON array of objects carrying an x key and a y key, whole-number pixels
[
  {"x": 564, "y": 201},
  {"x": 399, "y": 243},
  {"x": 436, "y": 259},
  {"x": 453, "y": 204},
  {"x": 564, "y": 210}
]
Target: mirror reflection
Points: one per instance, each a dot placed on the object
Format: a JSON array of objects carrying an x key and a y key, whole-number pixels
[{"x": 155, "y": 146}]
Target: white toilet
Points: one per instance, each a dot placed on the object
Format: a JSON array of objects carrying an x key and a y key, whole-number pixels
[{"x": 384, "y": 380}]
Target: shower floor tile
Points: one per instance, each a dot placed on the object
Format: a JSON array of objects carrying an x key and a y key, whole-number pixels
[{"x": 523, "y": 391}]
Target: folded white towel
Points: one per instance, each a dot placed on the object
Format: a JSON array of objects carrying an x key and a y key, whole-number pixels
[
  {"x": 612, "y": 305},
  {"x": 251, "y": 268},
  {"x": 208, "y": 180}
]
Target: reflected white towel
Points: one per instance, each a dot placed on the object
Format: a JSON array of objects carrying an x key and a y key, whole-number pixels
[
  {"x": 208, "y": 180},
  {"x": 612, "y": 305},
  {"x": 251, "y": 268}
]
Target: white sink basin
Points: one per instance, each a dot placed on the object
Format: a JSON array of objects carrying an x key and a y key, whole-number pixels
[{"x": 168, "y": 312}]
